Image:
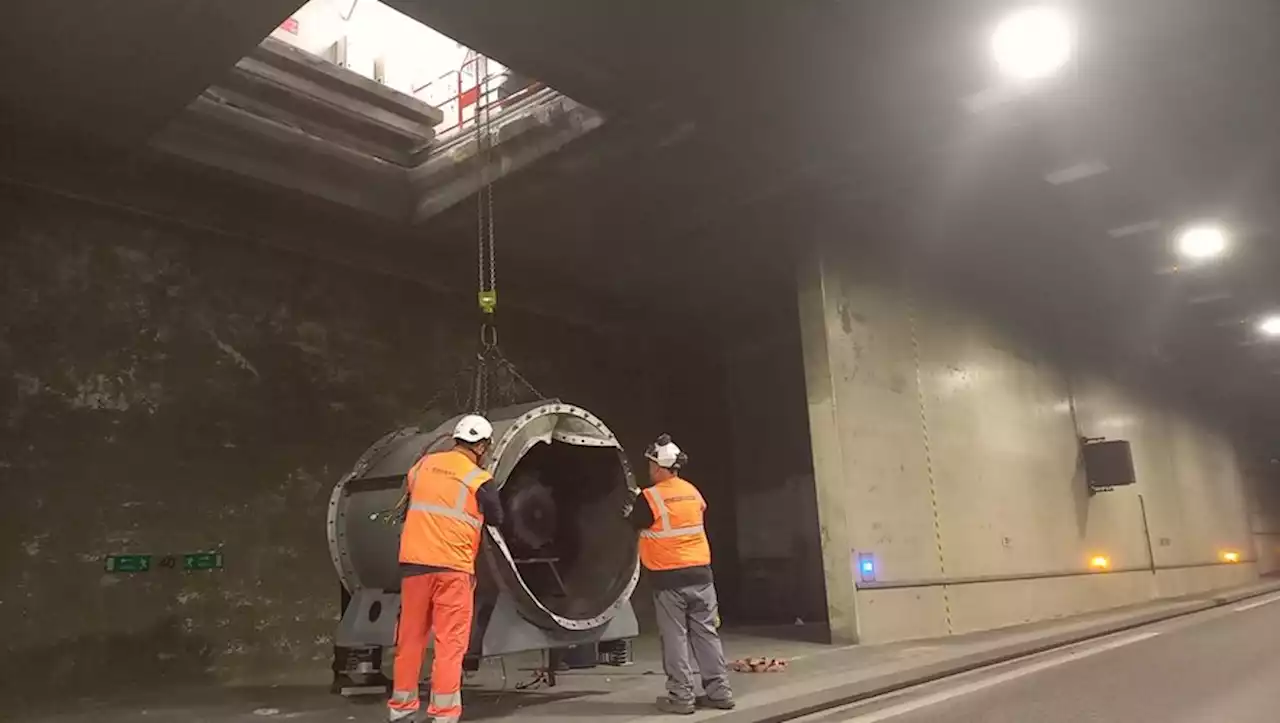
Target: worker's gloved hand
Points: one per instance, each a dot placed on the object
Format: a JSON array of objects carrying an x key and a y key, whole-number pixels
[
  {"x": 395, "y": 515},
  {"x": 631, "y": 496}
]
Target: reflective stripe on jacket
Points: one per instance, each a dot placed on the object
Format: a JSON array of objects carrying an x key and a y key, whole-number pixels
[
  {"x": 677, "y": 538},
  {"x": 443, "y": 524}
]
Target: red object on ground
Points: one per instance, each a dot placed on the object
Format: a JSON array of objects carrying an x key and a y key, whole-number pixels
[{"x": 758, "y": 665}]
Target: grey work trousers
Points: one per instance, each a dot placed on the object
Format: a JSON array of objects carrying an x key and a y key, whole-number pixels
[{"x": 687, "y": 620}]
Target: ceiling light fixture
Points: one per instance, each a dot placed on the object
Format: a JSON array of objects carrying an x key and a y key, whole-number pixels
[
  {"x": 1270, "y": 325},
  {"x": 1202, "y": 242},
  {"x": 1032, "y": 43}
]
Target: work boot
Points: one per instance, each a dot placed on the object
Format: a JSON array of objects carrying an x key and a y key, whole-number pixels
[
  {"x": 667, "y": 704},
  {"x": 717, "y": 703}
]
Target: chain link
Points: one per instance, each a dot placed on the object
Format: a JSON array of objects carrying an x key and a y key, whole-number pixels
[
  {"x": 484, "y": 199},
  {"x": 497, "y": 382},
  {"x": 485, "y": 377},
  {"x": 484, "y": 374},
  {"x": 493, "y": 257},
  {"x": 481, "y": 158},
  {"x": 489, "y": 362},
  {"x": 481, "y": 402},
  {"x": 488, "y": 181}
]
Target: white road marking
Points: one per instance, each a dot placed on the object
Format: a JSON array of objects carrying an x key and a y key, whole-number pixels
[
  {"x": 1258, "y": 604},
  {"x": 961, "y": 690}
]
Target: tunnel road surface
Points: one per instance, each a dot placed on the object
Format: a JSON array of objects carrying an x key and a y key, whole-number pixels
[{"x": 1220, "y": 666}]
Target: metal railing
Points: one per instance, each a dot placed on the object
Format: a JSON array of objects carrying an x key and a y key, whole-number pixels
[{"x": 460, "y": 93}]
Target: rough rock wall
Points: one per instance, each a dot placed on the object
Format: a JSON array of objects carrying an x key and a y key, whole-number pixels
[{"x": 165, "y": 392}]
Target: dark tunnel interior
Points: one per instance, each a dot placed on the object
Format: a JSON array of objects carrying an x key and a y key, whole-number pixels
[{"x": 565, "y": 528}]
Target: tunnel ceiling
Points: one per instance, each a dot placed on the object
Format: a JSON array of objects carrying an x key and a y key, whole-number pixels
[
  {"x": 121, "y": 69},
  {"x": 735, "y": 129},
  {"x": 859, "y": 110}
]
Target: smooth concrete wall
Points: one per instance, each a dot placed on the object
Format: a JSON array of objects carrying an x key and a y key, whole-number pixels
[
  {"x": 1267, "y": 548},
  {"x": 946, "y": 447},
  {"x": 1261, "y": 467}
]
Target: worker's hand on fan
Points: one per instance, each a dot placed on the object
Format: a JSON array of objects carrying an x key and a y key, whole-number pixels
[
  {"x": 631, "y": 496},
  {"x": 395, "y": 515}
]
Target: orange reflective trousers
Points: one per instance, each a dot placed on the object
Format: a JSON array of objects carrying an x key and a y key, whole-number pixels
[{"x": 439, "y": 603}]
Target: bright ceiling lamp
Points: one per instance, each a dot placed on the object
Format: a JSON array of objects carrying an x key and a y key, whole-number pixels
[
  {"x": 1270, "y": 325},
  {"x": 1202, "y": 242},
  {"x": 1033, "y": 43}
]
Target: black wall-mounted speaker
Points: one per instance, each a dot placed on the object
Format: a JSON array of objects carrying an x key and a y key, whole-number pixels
[{"x": 1109, "y": 463}]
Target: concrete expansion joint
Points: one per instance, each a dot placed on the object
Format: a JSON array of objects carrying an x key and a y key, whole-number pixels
[{"x": 928, "y": 459}]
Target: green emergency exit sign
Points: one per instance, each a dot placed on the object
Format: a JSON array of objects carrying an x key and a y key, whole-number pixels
[
  {"x": 128, "y": 563},
  {"x": 202, "y": 561},
  {"x": 191, "y": 562}
]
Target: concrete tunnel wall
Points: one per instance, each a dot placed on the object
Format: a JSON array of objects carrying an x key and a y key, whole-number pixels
[
  {"x": 169, "y": 392},
  {"x": 1262, "y": 476},
  {"x": 945, "y": 447}
]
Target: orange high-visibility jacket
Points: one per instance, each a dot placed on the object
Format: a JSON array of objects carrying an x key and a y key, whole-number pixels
[
  {"x": 443, "y": 523},
  {"x": 677, "y": 538}
]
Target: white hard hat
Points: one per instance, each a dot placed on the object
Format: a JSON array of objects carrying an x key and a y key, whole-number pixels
[
  {"x": 473, "y": 428},
  {"x": 665, "y": 453}
]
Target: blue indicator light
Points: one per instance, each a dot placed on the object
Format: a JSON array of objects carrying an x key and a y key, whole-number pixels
[{"x": 866, "y": 567}]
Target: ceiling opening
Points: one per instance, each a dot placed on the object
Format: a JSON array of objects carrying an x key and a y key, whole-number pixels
[{"x": 380, "y": 43}]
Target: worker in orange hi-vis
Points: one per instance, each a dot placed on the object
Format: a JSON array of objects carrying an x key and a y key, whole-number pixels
[
  {"x": 677, "y": 555},
  {"x": 450, "y": 498}
]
